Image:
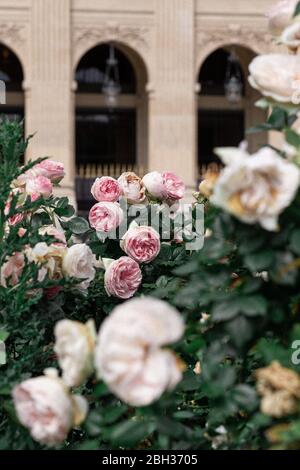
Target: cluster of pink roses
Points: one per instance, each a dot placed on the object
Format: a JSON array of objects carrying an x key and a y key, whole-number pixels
[
  {"x": 35, "y": 183},
  {"x": 39, "y": 180},
  {"x": 140, "y": 243},
  {"x": 107, "y": 214},
  {"x": 124, "y": 276}
]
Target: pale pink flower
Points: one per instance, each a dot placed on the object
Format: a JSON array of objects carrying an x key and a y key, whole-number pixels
[
  {"x": 52, "y": 231},
  {"x": 45, "y": 406},
  {"x": 154, "y": 184},
  {"x": 280, "y": 15},
  {"x": 276, "y": 76},
  {"x": 141, "y": 243},
  {"x": 106, "y": 216},
  {"x": 130, "y": 353},
  {"x": 14, "y": 219},
  {"x": 21, "y": 232},
  {"x": 78, "y": 262},
  {"x": 39, "y": 186},
  {"x": 74, "y": 347},
  {"x": 122, "y": 278},
  {"x": 174, "y": 186},
  {"x": 11, "y": 270},
  {"x": 53, "y": 170},
  {"x": 49, "y": 258},
  {"x": 255, "y": 188},
  {"x": 106, "y": 189},
  {"x": 132, "y": 188}
]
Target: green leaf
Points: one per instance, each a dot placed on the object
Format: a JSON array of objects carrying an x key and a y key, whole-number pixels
[
  {"x": 271, "y": 350},
  {"x": 259, "y": 261},
  {"x": 3, "y": 335},
  {"x": 260, "y": 128},
  {"x": 245, "y": 396},
  {"x": 184, "y": 415},
  {"x": 88, "y": 445},
  {"x": 240, "y": 330},
  {"x": 2, "y": 354},
  {"x": 190, "y": 381},
  {"x": 253, "y": 306},
  {"x": 186, "y": 269},
  {"x": 297, "y": 10},
  {"x": 292, "y": 138},
  {"x": 112, "y": 414},
  {"x": 250, "y": 245},
  {"x": 78, "y": 225},
  {"x": 277, "y": 118},
  {"x": 295, "y": 241},
  {"x": 225, "y": 311},
  {"x": 101, "y": 390},
  {"x": 131, "y": 432}
]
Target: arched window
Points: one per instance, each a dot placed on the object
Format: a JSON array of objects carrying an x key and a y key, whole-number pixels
[
  {"x": 213, "y": 73},
  {"x": 223, "y": 122},
  {"x": 109, "y": 138},
  {"x": 90, "y": 73},
  {"x": 11, "y": 74}
]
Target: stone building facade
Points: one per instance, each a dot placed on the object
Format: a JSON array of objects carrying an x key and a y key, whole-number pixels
[{"x": 166, "y": 41}]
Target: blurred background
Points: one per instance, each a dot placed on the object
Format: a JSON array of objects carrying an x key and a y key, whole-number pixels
[{"x": 109, "y": 85}]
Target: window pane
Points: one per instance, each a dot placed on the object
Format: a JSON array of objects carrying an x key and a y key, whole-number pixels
[
  {"x": 213, "y": 73},
  {"x": 105, "y": 137},
  {"x": 10, "y": 70},
  {"x": 218, "y": 128}
]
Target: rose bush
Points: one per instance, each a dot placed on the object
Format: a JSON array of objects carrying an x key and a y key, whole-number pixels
[{"x": 207, "y": 353}]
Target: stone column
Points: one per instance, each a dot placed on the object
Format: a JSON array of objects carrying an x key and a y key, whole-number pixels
[
  {"x": 49, "y": 98},
  {"x": 172, "y": 104}
]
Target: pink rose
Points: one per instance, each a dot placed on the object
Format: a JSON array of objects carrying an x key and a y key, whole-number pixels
[
  {"x": 122, "y": 278},
  {"x": 106, "y": 189},
  {"x": 12, "y": 269},
  {"x": 46, "y": 408},
  {"x": 39, "y": 186},
  {"x": 132, "y": 188},
  {"x": 106, "y": 216},
  {"x": 174, "y": 186},
  {"x": 52, "y": 231},
  {"x": 21, "y": 232},
  {"x": 132, "y": 355},
  {"x": 141, "y": 243},
  {"x": 154, "y": 184},
  {"x": 53, "y": 170},
  {"x": 14, "y": 219}
]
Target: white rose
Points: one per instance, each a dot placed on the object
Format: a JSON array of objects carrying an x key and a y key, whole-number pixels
[
  {"x": 48, "y": 257},
  {"x": 45, "y": 406},
  {"x": 256, "y": 188},
  {"x": 276, "y": 76},
  {"x": 78, "y": 262},
  {"x": 280, "y": 15},
  {"x": 154, "y": 183},
  {"x": 128, "y": 354},
  {"x": 74, "y": 347}
]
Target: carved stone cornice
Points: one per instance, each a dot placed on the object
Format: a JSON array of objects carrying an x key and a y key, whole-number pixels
[
  {"x": 135, "y": 36},
  {"x": 255, "y": 38}
]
